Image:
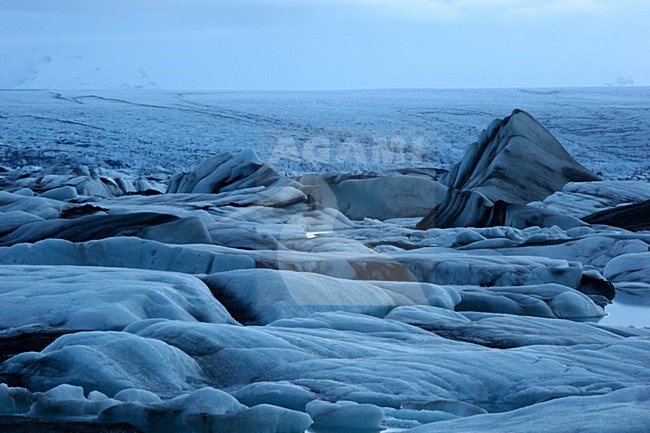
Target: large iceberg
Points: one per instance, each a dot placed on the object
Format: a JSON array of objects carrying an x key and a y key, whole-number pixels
[{"x": 515, "y": 161}]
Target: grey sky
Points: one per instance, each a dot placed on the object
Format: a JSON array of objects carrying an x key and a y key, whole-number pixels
[{"x": 337, "y": 44}]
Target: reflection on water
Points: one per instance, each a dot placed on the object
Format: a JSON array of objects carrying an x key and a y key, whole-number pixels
[{"x": 628, "y": 310}]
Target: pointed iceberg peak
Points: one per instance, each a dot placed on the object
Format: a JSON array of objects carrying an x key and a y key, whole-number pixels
[{"x": 516, "y": 160}]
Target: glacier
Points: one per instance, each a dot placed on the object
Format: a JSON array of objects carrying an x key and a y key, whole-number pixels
[{"x": 188, "y": 284}]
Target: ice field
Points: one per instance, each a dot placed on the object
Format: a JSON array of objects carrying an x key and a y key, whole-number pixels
[
  {"x": 325, "y": 262},
  {"x": 606, "y": 129}
]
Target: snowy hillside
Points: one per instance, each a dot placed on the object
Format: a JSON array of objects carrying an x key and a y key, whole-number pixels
[{"x": 79, "y": 72}]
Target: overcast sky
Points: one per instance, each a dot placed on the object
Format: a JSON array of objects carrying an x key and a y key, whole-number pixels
[{"x": 338, "y": 44}]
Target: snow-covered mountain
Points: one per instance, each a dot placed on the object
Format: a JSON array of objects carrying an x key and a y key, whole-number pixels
[{"x": 80, "y": 72}]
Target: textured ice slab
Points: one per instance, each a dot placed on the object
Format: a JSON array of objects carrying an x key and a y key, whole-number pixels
[
  {"x": 282, "y": 394},
  {"x": 14, "y": 219},
  {"x": 225, "y": 172},
  {"x": 203, "y": 410},
  {"x": 595, "y": 250},
  {"x": 346, "y": 415},
  {"x": 15, "y": 400},
  {"x": 69, "y": 402},
  {"x": 146, "y": 225},
  {"x": 207, "y": 410},
  {"x": 251, "y": 218},
  {"x": 631, "y": 274},
  {"x": 101, "y": 298},
  {"x": 547, "y": 300},
  {"x": 501, "y": 330},
  {"x": 40, "y": 207},
  {"x": 424, "y": 264},
  {"x": 585, "y": 198},
  {"x": 262, "y": 418},
  {"x": 382, "y": 197},
  {"x": 430, "y": 265},
  {"x": 622, "y": 410},
  {"x": 629, "y": 267},
  {"x": 128, "y": 252},
  {"x": 262, "y": 296},
  {"x": 272, "y": 196},
  {"x": 107, "y": 362}
]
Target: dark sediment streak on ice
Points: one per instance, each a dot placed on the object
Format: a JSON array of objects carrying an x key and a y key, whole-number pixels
[
  {"x": 146, "y": 225},
  {"x": 634, "y": 217}
]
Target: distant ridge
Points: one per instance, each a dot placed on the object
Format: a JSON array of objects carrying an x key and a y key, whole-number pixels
[{"x": 80, "y": 73}]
